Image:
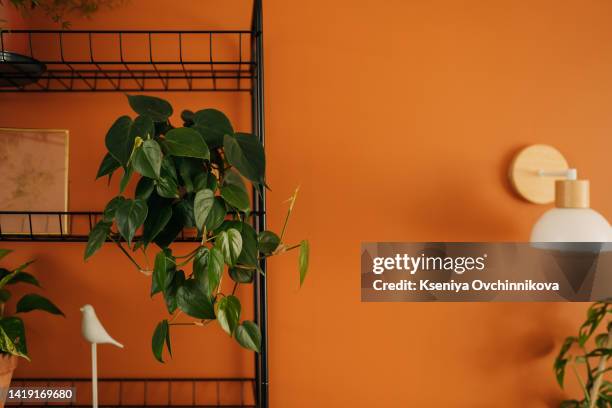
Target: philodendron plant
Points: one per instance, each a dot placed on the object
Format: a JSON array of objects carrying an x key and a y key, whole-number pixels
[
  {"x": 190, "y": 177},
  {"x": 12, "y": 329},
  {"x": 588, "y": 354}
]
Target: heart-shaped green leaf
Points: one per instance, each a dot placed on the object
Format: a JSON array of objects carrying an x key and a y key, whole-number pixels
[
  {"x": 147, "y": 159},
  {"x": 242, "y": 274},
  {"x": 108, "y": 166},
  {"x": 267, "y": 242},
  {"x": 246, "y": 153},
  {"x": 214, "y": 270},
  {"x": 14, "y": 330},
  {"x": 230, "y": 244},
  {"x": 236, "y": 197},
  {"x": 186, "y": 142},
  {"x": 248, "y": 335},
  {"x": 228, "y": 313},
  {"x": 157, "y": 109},
  {"x": 161, "y": 335},
  {"x": 130, "y": 215},
  {"x": 118, "y": 140},
  {"x": 192, "y": 300},
  {"x": 33, "y": 301},
  {"x": 164, "y": 265},
  {"x": 213, "y": 125},
  {"x": 97, "y": 237},
  {"x": 203, "y": 204},
  {"x": 217, "y": 214}
]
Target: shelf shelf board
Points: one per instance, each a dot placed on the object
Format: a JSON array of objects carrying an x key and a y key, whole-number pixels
[{"x": 126, "y": 61}]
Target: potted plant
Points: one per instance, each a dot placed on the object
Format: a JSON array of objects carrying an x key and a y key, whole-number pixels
[
  {"x": 587, "y": 354},
  {"x": 190, "y": 177},
  {"x": 12, "y": 330}
]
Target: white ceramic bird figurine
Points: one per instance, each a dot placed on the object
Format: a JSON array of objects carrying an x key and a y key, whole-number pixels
[
  {"x": 92, "y": 329},
  {"x": 95, "y": 333}
]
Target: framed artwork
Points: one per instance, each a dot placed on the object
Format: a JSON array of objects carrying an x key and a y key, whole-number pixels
[{"x": 34, "y": 169}]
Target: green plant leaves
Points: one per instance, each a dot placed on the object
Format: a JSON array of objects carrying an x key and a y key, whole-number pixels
[
  {"x": 12, "y": 336},
  {"x": 248, "y": 335},
  {"x": 147, "y": 159},
  {"x": 176, "y": 280},
  {"x": 241, "y": 274},
  {"x": 217, "y": 215},
  {"x": 192, "y": 300},
  {"x": 97, "y": 237},
  {"x": 24, "y": 277},
  {"x": 186, "y": 142},
  {"x": 214, "y": 270},
  {"x": 155, "y": 223},
  {"x": 157, "y": 109},
  {"x": 228, "y": 313},
  {"x": 130, "y": 215},
  {"x": 118, "y": 140},
  {"x": 248, "y": 255},
  {"x": 108, "y": 166},
  {"x": 230, "y": 244},
  {"x": 161, "y": 336},
  {"x": 246, "y": 153},
  {"x": 33, "y": 301},
  {"x": 203, "y": 204},
  {"x": 267, "y": 241},
  {"x": 303, "y": 260},
  {"x": 213, "y": 125},
  {"x": 236, "y": 197},
  {"x": 162, "y": 271},
  {"x": 144, "y": 188}
]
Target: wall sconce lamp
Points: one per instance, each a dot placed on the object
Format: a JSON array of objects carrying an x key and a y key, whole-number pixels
[{"x": 540, "y": 174}]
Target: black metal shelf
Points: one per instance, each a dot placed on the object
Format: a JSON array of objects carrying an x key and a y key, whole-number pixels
[
  {"x": 151, "y": 392},
  {"x": 64, "y": 226},
  {"x": 127, "y": 61}
]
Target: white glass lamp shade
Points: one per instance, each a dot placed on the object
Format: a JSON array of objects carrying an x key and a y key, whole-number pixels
[{"x": 567, "y": 225}]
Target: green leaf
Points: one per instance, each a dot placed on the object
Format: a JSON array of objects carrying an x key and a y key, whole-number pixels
[
  {"x": 130, "y": 215},
  {"x": 230, "y": 244},
  {"x": 118, "y": 140},
  {"x": 246, "y": 153},
  {"x": 189, "y": 169},
  {"x": 192, "y": 300},
  {"x": 267, "y": 242},
  {"x": 200, "y": 262},
  {"x": 185, "y": 210},
  {"x": 162, "y": 270},
  {"x": 155, "y": 223},
  {"x": 108, "y": 166},
  {"x": 14, "y": 330},
  {"x": 228, "y": 313},
  {"x": 203, "y": 204},
  {"x": 33, "y": 301},
  {"x": 176, "y": 281},
  {"x": 5, "y": 295},
  {"x": 172, "y": 229},
  {"x": 5, "y": 252},
  {"x": 143, "y": 127},
  {"x": 236, "y": 197},
  {"x": 144, "y": 188},
  {"x": 303, "y": 260},
  {"x": 148, "y": 159},
  {"x": 160, "y": 336},
  {"x": 217, "y": 214},
  {"x": 166, "y": 186},
  {"x": 97, "y": 237},
  {"x": 232, "y": 177},
  {"x": 214, "y": 270},
  {"x": 186, "y": 142},
  {"x": 213, "y": 125},
  {"x": 111, "y": 209},
  {"x": 248, "y": 255},
  {"x": 248, "y": 335},
  {"x": 157, "y": 109},
  {"x": 241, "y": 274},
  {"x": 24, "y": 277},
  {"x": 125, "y": 179}
]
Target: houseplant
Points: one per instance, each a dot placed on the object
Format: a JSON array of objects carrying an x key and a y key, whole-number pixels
[
  {"x": 189, "y": 177},
  {"x": 12, "y": 330},
  {"x": 587, "y": 354}
]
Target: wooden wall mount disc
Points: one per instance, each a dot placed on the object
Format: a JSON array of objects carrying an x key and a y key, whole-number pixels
[{"x": 524, "y": 172}]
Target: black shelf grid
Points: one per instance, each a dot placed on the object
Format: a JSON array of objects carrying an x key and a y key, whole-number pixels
[
  {"x": 215, "y": 61},
  {"x": 128, "y": 61},
  {"x": 149, "y": 392}
]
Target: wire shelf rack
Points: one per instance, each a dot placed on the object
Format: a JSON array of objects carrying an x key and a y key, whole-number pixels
[
  {"x": 150, "y": 392},
  {"x": 64, "y": 226},
  {"x": 127, "y": 61}
]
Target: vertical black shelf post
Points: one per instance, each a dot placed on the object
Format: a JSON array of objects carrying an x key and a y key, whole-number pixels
[{"x": 259, "y": 195}]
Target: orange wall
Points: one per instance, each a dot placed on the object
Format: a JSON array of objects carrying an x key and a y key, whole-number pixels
[{"x": 398, "y": 119}]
